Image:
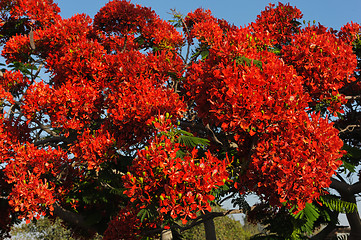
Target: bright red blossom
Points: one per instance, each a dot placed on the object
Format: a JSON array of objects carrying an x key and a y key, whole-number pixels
[
  {"x": 293, "y": 158},
  {"x": 25, "y": 169},
  {"x": 43, "y": 11},
  {"x": 70, "y": 138},
  {"x": 276, "y": 25},
  {"x": 324, "y": 61},
  {"x": 181, "y": 186},
  {"x": 262, "y": 99}
]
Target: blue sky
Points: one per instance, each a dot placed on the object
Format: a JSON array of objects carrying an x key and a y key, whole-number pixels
[{"x": 331, "y": 13}]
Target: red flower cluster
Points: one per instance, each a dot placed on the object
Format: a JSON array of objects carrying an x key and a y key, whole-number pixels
[
  {"x": 96, "y": 101},
  {"x": 261, "y": 97},
  {"x": 13, "y": 82},
  {"x": 350, "y": 32},
  {"x": 325, "y": 62},
  {"x": 179, "y": 186},
  {"x": 127, "y": 225},
  {"x": 255, "y": 86},
  {"x": 94, "y": 148},
  {"x": 125, "y": 20},
  {"x": 295, "y": 163},
  {"x": 32, "y": 195},
  {"x": 42, "y": 11},
  {"x": 277, "y": 25},
  {"x": 18, "y": 16}
]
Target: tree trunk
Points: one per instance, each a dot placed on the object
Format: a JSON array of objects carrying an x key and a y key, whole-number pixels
[
  {"x": 325, "y": 232},
  {"x": 210, "y": 229},
  {"x": 347, "y": 193},
  {"x": 353, "y": 218}
]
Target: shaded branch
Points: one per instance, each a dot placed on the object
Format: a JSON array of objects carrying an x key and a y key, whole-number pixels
[
  {"x": 228, "y": 197},
  {"x": 50, "y": 140},
  {"x": 325, "y": 232},
  {"x": 208, "y": 216},
  {"x": 199, "y": 220},
  {"x": 70, "y": 217},
  {"x": 345, "y": 188},
  {"x": 33, "y": 77},
  {"x": 340, "y": 177},
  {"x": 214, "y": 137},
  {"x": 347, "y": 193},
  {"x": 46, "y": 128}
]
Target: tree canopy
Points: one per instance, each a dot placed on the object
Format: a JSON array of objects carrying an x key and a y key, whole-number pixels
[{"x": 123, "y": 125}]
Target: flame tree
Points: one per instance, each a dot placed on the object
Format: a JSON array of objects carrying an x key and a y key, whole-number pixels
[{"x": 138, "y": 125}]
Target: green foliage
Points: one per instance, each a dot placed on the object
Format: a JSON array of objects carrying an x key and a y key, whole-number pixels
[
  {"x": 241, "y": 202},
  {"x": 189, "y": 140},
  {"x": 284, "y": 225},
  {"x": 202, "y": 50},
  {"x": 148, "y": 214},
  {"x": 334, "y": 203},
  {"x": 177, "y": 20},
  {"x": 242, "y": 60},
  {"x": 275, "y": 50},
  {"x": 204, "y": 54},
  {"x": 308, "y": 216},
  {"x": 42, "y": 229},
  {"x": 24, "y": 68},
  {"x": 98, "y": 187},
  {"x": 263, "y": 236},
  {"x": 351, "y": 159},
  {"x": 45, "y": 229}
]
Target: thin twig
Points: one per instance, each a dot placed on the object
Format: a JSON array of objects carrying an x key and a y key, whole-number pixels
[
  {"x": 350, "y": 128},
  {"x": 214, "y": 137},
  {"x": 50, "y": 140},
  {"x": 353, "y": 97},
  {"x": 46, "y": 128}
]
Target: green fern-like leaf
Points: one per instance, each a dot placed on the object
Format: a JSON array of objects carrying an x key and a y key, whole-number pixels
[
  {"x": 117, "y": 191},
  {"x": 336, "y": 204},
  {"x": 309, "y": 214},
  {"x": 189, "y": 140},
  {"x": 242, "y": 60}
]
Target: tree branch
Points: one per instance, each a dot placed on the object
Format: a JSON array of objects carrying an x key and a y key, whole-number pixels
[
  {"x": 46, "y": 128},
  {"x": 199, "y": 220},
  {"x": 345, "y": 188},
  {"x": 347, "y": 193},
  {"x": 50, "y": 140},
  {"x": 214, "y": 137},
  {"x": 70, "y": 217},
  {"x": 211, "y": 215},
  {"x": 353, "y": 97},
  {"x": 325, "y": 232},
  {"x": 33, "y": 77},
  {"x": 349, "y": 128},
  {"x": 340, "y": 177}
]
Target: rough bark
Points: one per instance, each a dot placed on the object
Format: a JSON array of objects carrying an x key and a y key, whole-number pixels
[
  {"x": 70, "y": 217},
  {"x": 210, "y": 229},
  {"x": 325, "y": 232}
]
